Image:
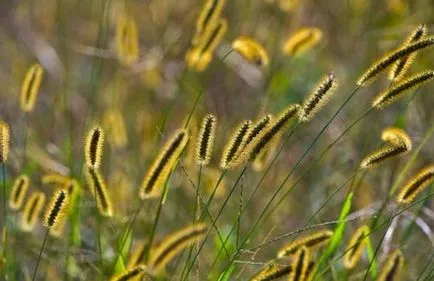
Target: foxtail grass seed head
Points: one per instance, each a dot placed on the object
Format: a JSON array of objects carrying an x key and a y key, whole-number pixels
[
  {"x": 205, "y": 141},
  {"x": 396, "y": 137},
  {"x": 380, "y": 155},
  {"x": 258, "y": 144},
  {"x": 57, "y": 209},
  {"x": 257, "y": 128},
  {"x": 209, "y": 16},
  {"x": 386, "y": 61},
  {"x": 400, "y": 68},
  {"x": 94, "y": 145},
  {"x": 200, "y": 56},
  {"x": 398, "y": 91},
  {"x": 4, "y": 141},
  {"x": 234, "y": 146},
  {"x": 97, "y": 185},
  {"x": 266, "y": 155},
  {"x": 197, "y": 60},
  {"x": 393, "y": 267},
  {"x": 300, "y": 265},
  {"x": 127, "y": 44},
  {"x": 130, "y": 274},
  {"x": 174, "y": 244},
  {"x": 251, "y": 50},
  {"x": 32, "y": 211},
  {"x": 302, "y": 41},
  {"x": 313, "y": 241},
  {"x": 355, "y": 247},
  {"x": 30, "y": 88},
  {"x": 165, "y": 161},
  {"x": 416, "y": 185},
  {"x": 400, "y": 144},
  {"x": 18, "y": 192},
  {"x": 318, "y": 98},
  {"x": 271, "y": 272},
  {"x": 138, "y": 255}
]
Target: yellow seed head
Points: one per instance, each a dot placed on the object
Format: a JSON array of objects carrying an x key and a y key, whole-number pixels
[
  {"x": 30, "y": 88},
  {"x": 302, "y": 41},
  {"x": 396, "y": 137},
  {"x": 318, "y": 98},
  {"x": 174, "y": 244},
  {"x": 312, "y": 241},
  {"x": 138, "y": 255},
  {"x": 98, "y": 189},
  {"x": 380, "y": 155},
  {"x": 300, "y": 265},
  {"x": 198, "y": 60},
  {"x": 271, "y": 272},
  {"x": 165, "y": 161},
  {"x": 416, "y": 185},
  {"x": 251, "y": 50},
  {"x": 399, "y": 90},
  {"x": 355, "y": 247},
  {"x": 130, "y": 274},
  {"x": 57, "y": 209},
  {"x": 200, "y": 56},
  {"x": 127, "y": 44},
  {"x": 387, "y": 60},
  {"x": 4, "y": 141},
  {"x": 400, "y": 68},
  {"x": 19, "y": 190},
  {"x": 32, "y": 211},
  {"x": 269, "y": 133},
  {"x": 205, "y": 141},
  {"x": 209, "y": 16},
  {"x": 94, "y": 147},
  {"x": 234, "y": 146},
  {"x": 393, "y": 267}
]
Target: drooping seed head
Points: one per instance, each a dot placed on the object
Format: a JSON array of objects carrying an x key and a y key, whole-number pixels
[
  {"x": 251, "y": 50},
  {"x": 400, "y": 68},
  {"x": 4, "y": 141},
  {"x": 302, "y": 41},
  {"x": 271, "y": 272},
  {"x": 396, "y": 137},
  {"x": 209, "y": 16},
  {"x": 416, "y": 185},
  {"x": 399, "y": 90},
  {"x": 300, "y": 265},
  {"x": 312, "y": 241},
  {"x": 393, "y": 267},
  {"x": 355, "y": 248},
  {"x": 387, "y": 60},
  {"x": 131, "y": 274},
  {"x": 174, "y": 244}
]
